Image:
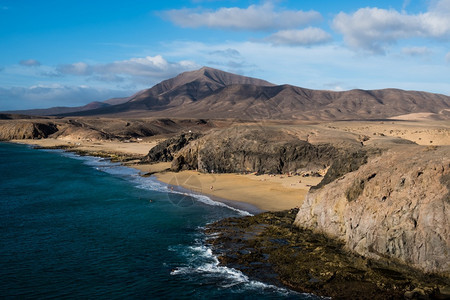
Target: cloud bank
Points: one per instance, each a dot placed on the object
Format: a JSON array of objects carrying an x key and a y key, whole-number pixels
[
  {"x": 305, "y": 37},
  {"x": 255, "y": 17},
  {"x": 45, "y": 96},
  {"x": 29, "y": 63},
  {"x": 373, "y": 29},
  {"x": 150, "y": 67}
]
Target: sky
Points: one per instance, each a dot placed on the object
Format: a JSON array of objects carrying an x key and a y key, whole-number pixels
[{"x": 72, "y": 52}]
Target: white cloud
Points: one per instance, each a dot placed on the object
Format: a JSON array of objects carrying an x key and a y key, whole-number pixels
[
  {"x": 373, "y": 29},
  {"x": 30, "y": 63},
  {"x": 79, "y": 68},
  {"x": 442, "y": 6},
  {"x": 230, "y": 53},
  {"x": 416, "y": 51},
  {"x": 447, "y": 57},
  {"x": 304, "y": 37},
  {"x": 150, "y": 67},
  {"x": 155, "y": 66},
  {"x": 49, "y": 95},
  {"x": 255, "y": 17}
]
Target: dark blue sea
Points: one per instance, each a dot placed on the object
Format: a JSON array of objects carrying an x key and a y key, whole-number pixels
[{"x": 84, "y": 228}]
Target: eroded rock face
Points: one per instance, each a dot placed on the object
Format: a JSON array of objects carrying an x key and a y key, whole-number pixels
[
  {"x": 395, "y": 206},
  {"x": 26, "y": 130},
  {"x": 166, "y": 150},
  {"x": 243, "y": 149}
]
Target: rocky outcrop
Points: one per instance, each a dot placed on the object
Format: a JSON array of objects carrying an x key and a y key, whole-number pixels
[
  {"x": 26, "y": 130},
  {"x": 92, "y": 129},
  {"x": 165, "y": 151},
  {"x": 345, "y": 163},
  {"x": 268, "y": 248},
  {"x": 247, "y": 149},
  {"x": 395, "y": 206}
]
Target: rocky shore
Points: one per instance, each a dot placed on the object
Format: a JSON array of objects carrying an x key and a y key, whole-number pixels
[
  {"x": 376, "y": 226},
  {"x": 268, "y": 247},
  {"x": 395, "y": 206}
]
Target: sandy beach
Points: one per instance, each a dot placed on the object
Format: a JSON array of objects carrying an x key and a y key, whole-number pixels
[
  {"x": 135, "y": 148},
  {"x": 269, "y": 193},
  {"x": 265, "y": 192}
]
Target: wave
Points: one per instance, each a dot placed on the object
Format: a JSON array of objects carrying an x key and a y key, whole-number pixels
[
  {"x": 204, "y": 265},
  {"x": 145, "y": 183}
]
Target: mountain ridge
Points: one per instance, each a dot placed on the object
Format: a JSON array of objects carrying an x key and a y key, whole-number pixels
[{"x": 213, "y": 94}]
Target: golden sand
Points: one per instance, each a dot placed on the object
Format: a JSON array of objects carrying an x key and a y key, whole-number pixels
[{"x": 265, "y": 192}]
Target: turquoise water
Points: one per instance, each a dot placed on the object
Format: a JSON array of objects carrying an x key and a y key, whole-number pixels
[{"x": 82, "y": 227}]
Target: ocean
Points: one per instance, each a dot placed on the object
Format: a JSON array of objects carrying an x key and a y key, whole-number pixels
[{"x": 82, "y": 227}]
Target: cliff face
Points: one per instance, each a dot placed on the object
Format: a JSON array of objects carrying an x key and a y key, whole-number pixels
[
  {"x": 26, "y": 130},
  {"x": 165, "y": 151},
  {"x": 395, "y": 206},
  {"x": 243, "y": 149},
  {"x": 16, "y": 127}
]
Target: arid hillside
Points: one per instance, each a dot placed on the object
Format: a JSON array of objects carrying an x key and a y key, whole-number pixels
[{"x": 213, "y": 94}]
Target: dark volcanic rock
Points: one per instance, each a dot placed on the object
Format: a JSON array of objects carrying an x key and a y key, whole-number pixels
[
  {"x": 345, "y": 163},
  {"x": 166, "y": 150},
  {"x": 269, "y": 248},
  {"x": 243, "y": 149}
]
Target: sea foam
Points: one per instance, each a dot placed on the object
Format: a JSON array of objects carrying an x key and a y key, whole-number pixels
[
  {"x": 146, "y": 183},
  {"x": 202, "y": 261}
]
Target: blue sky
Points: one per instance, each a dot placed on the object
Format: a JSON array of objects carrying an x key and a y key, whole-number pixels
[{"x": 69, "y": 53}]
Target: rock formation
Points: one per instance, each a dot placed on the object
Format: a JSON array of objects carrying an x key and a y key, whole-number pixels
[
  {"x": 247, "y": 149},
  {"x": 21, "y": 127},
  {"x": 26, "y": 130},
  {"x": 397, "y": 205},
  {"x": 165, "y": 151}
]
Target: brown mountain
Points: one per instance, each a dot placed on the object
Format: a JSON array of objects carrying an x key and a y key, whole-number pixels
[
  {"x": 211, "y": 93},
  {"x": 178, "y": 92}
]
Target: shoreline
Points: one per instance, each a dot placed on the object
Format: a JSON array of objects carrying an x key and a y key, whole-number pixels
[
  {"x": 241, "y": 206},
  {"x": 267, "y": 248},
  {"x": 265, "y": 192},
  {"x": 252, "y": 193},
  {"x": 272, "y": 189}
]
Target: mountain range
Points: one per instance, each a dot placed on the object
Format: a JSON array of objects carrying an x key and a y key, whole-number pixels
[{"x": 210, "y": 93}]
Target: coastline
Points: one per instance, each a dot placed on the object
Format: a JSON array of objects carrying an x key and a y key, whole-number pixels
[
  {"x": 266, "y": 247},
  {"x": 260, "y": 193},
  {"x": 265, "y": 192},
  {"x": 249, "y": 192}
]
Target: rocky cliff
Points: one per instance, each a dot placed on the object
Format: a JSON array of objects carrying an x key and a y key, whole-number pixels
[
  {"x": 397, "y": 205},
  {"x": 19, "y": 127},
  {"x": 251, "y": 149},
  {"x": 165, "y": 151},
  {"x": 26, "y": 130}
]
